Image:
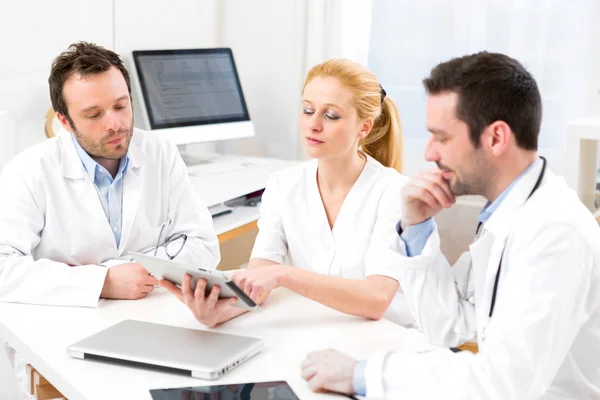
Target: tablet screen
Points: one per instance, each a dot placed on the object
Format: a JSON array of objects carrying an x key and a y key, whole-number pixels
[{"x": 244, "y": 391}]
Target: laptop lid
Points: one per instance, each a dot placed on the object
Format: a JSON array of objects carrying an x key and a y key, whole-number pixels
[{"x": 202, "y": 354}]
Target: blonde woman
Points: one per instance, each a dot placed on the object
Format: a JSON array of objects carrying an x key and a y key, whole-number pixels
[{"x": 332, "y": 219}]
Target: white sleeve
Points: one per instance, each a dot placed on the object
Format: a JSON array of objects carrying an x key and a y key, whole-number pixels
[
  {"x": 189, "y": 215},
  {"x": 271, "y": 243},
  {"x": 430, "y": 288},
  {"x": 427, "y": 281},
  {"x": 43, "y": 281},
  {"x": 384, "y": 248},
  {"x": 541, "y": 305}
]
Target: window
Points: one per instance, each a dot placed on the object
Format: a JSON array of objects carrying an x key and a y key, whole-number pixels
[{"x": 553, "y": 39}]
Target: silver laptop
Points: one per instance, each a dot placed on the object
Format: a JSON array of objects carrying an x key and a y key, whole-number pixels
[{"x": 202, "y": 354}]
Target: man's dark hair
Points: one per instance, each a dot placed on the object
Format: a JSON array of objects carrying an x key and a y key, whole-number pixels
[
  {"x": 84, "y": 59},
  {"x": 491, "y": 87}
]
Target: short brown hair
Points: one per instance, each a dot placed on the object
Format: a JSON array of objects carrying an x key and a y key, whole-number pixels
[
  {"x": 491, "y": 87},
  {"x": 84, "y": 59}
]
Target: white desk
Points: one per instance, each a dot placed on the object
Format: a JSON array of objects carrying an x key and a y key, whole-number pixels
[
  {"x": 217, "y": 188},
  {"x": 291, "y": 326},
  {"x": 240, "y": 216}
]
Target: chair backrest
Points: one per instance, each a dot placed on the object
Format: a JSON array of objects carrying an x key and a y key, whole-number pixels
[
  {"x": 52, "y": 125},
  {"x": 457, "y": 226}
]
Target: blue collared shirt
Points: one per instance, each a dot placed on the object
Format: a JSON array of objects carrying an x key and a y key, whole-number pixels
[
  {"x": 110, "y": 190},
  {"x": 414, "y": 238}
]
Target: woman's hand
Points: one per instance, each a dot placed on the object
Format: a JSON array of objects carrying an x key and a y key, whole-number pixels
[
  {"x": 259, "y": 282},
  {"x": 207, "y": 309}
]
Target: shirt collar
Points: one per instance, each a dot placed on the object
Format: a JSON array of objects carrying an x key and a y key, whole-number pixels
[
  {"x": 489, "y": 208},
  {"x": 91, "y": 165}
]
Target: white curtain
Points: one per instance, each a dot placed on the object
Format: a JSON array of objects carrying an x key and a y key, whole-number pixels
[
  {"x": 7, "y": 137},
  {"x": 554, "y": 39},
  {"x": 336, "y": 29}
]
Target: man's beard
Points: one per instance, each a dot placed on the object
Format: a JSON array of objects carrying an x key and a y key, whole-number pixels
[
  {"x": 101, "y": 148},
  {"x": 472, "y": 182}
]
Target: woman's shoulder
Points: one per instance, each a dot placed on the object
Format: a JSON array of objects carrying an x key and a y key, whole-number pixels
[
  {"x": 388, "y": 176},
  {"x": 292, "y": 177}
]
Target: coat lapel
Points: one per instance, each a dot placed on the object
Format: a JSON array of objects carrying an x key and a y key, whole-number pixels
[
  {"x": 132, "y": 191},
  {"x": 83, "y": 187},
  {"x": 353, "y": 201},
  {"x": 487, "y": 251}
]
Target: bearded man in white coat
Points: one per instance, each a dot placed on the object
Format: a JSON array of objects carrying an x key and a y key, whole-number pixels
[
  {"x": 527, "y": 291},
  {"x": 74, "y": 206}
]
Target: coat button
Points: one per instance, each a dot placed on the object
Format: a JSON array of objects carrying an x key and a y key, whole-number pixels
[{"x": 328, "y": 247}]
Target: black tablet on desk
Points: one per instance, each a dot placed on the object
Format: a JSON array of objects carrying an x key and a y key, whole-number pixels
[{"x": 278, "y": 390}]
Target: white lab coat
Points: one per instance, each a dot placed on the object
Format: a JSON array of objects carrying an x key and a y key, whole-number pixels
[
  {"x": 293, "y": 224},
  {"x": 543, "y": 341},
  {"x": 55, "y": 240}
]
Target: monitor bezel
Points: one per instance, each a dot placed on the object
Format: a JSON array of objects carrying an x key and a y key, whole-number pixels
[{"x": 137, "y": 54}]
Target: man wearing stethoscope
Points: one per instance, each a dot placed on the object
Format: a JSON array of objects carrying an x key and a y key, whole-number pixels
[{"x": 527, "y": 291}]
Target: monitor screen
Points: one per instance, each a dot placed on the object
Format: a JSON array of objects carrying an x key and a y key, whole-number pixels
[{"x": 190, "y": 87}]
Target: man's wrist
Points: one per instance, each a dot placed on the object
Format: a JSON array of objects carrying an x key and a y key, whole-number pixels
[
  {"x": 406, "y": 223},
  {"x": 415, "y": 236},
  {"x": 403, "y": 225}
]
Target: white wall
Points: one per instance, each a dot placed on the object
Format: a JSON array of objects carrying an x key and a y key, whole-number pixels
[
  {"x": 161, "y": 24},
  {"x": 267, "y": 38},
  {"x": 33, "y": 33}
]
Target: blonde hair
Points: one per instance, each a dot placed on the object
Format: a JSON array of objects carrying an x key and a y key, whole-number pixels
[{"x": 384, "y": 142}]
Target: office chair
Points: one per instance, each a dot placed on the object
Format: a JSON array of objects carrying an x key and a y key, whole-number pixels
[{"x": 52, "y": 124}]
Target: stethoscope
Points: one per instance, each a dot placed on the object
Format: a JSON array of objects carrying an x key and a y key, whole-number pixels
[{"x": 497, "y": 281}]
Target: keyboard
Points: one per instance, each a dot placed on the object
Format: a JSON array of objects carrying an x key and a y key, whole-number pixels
[{"x": 219, "y": 167}]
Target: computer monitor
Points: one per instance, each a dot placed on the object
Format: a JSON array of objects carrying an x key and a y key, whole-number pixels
[{"x": 190, "y": 95}]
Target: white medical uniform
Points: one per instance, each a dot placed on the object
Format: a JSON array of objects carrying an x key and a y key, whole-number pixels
[
  {"x": 543, "y": 339},
  {"x": 362, "y": 242},
  {"x": 55, "y": 239}
]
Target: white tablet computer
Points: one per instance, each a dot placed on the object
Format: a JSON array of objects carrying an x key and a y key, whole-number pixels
[{"x": 174, "y": 272}]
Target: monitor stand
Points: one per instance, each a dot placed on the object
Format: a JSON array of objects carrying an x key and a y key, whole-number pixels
[{"x": 197, "y": 158}]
